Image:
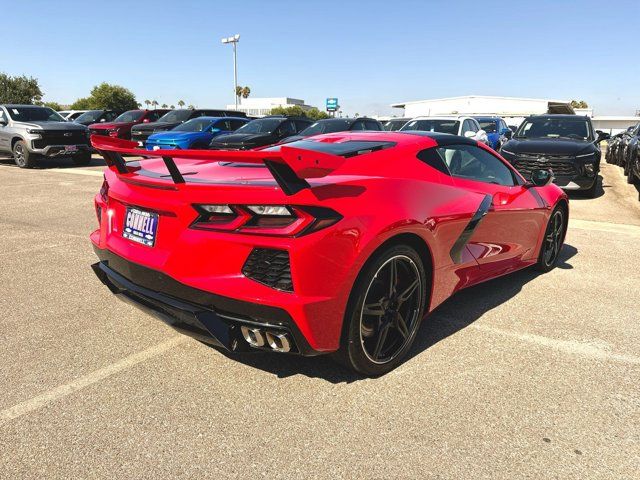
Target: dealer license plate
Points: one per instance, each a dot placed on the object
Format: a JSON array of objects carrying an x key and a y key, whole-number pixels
[{"x": 140, "y": 226}]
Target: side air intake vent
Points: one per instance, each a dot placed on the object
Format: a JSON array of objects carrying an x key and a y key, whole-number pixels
[{"x": 269, "y": 267}]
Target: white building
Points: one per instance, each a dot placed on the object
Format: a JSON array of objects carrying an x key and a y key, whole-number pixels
[
  {"x": 512, "y": 109},
  {"x": 259, "y": 107}
]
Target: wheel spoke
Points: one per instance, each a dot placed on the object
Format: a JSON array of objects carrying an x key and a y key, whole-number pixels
[
  {"x": 401, "y": 325},
  {"x": 375, "y": 309},
  {"x": 393, "y": 277},
  {"x": 382, "y": 337},
  {"x": 404, "y": 296}
]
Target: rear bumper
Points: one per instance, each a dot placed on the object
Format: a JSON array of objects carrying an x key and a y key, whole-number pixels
[{"x": 211, "y": 318}]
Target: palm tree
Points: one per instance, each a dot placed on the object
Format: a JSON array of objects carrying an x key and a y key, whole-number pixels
[
  {"x": 164, "y": 105},
  {"x": 139, "y": 105},
  {"x": 181, "y": 103},
  {"x": 147, "y": 103},
  {"x": 155, "y": 104},
  {"x": 242, "y": 92},
  {"x": 191, "y": 107}
]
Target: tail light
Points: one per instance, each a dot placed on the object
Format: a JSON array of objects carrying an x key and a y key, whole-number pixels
[{"x": 284, "y": 220}]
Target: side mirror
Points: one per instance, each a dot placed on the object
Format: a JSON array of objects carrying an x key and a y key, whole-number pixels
[
  {"x": 469, "y": 134},
  {"x": 602, "y": 136},
  {"x": 541, "y": 178},
  {"x": 3, "y": 122},
  {"x": 512, "y": 128}
]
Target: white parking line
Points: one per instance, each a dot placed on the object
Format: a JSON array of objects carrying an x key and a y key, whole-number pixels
[
  {"x": 61, "y": 391},
  {"x": 573, "y": 347}
]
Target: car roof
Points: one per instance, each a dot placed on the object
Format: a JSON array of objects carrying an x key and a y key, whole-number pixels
[
  {"x": 215, "y": 119},
  {"x": 13, "y": 105},
  {"x": 418, "y": 138},
  {"x": 441, "y": 117},
  {"x": 557, "y": 115}
]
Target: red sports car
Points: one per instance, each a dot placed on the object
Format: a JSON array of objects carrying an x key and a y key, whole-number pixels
[{"x": 337, "y": 243}]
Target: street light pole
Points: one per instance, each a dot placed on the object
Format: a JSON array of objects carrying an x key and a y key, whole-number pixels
[{"x": 234, "y": 40}]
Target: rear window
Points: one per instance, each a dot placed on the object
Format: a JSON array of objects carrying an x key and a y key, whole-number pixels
[
  {"x": 434, "y": 125},
  {"x": 343, "y": 149}
]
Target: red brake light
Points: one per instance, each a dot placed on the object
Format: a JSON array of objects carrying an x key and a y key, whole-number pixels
[{"x": 284, "y": 220}]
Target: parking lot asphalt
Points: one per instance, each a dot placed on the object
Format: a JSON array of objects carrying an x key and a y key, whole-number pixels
[{"x": 527, "y": 376}]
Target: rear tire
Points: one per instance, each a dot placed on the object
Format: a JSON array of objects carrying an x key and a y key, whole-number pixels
[
  {"x": 552, "y": 241},
  {"x": 82, "y": 160},
  {"x": 385, "y": 309},
  {"x": 23, "y": 157}
]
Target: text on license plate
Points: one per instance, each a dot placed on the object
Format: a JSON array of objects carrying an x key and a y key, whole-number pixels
[{"x": 140, "y": 226}]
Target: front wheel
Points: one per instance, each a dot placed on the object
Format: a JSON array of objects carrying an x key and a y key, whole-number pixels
[
  {"x": 23, "y": 157},
  {"x": 553, "y": 241},
  {"x": 386, "y": 306}
]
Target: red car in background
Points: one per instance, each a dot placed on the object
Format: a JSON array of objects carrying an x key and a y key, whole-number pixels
[
  {"x": 121, "y": 126},
  {"x": 335, "y": 243}
]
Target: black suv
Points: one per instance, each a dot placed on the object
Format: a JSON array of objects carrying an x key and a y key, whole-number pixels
[
  {"x": 331, "y": 125},
  {"x": 261, "y": 132},
  {"x": 565, "y": 144},
  {"x": 140, "y": 133},
  {"x": 97, "y": 116},
  {"x": 29, "y": 132}
]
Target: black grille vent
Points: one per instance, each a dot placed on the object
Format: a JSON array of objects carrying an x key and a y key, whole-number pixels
[
  {"x": 269, "y": 267},
  {"x": 61, "y": 138},
  {"x": 561, "y": 165}
]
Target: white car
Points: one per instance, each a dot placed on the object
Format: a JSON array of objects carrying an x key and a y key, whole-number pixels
[
  {"x": 463, "y": 126},
  {"x": 71, "y": 115}
]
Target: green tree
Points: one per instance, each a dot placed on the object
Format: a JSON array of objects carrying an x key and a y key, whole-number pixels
[
  {"x": 154, "y": 103},
  {"x": 298, "y": 111},
  {"x": 147, "y": 103},
  {"x": 164, "y": 105},
  {"x": 172, "y": 107},
  {"x": 82, "y": 104},
  {"x": 181, "y": 103},
  {"x": 20, "y": 89},
  {"x": 108, "y": 97},
  {"x": 191, "y": 107},
  {"x": 54, "y": 105}
]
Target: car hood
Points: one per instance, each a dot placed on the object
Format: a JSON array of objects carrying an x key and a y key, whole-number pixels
[
  {"x": 559, "y": 146},
  {"x": 109, "y": 125},
  {"x": 150, "y": 127},
  {"x": 293, "y": 138},
  {"x": 62, "y": 126},
  {"x": 242, "y": 139}
]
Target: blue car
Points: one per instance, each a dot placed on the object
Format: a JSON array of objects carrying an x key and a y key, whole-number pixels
[
  {"x": 498, "y": 133},
  {"x": 196, "y": 133}
]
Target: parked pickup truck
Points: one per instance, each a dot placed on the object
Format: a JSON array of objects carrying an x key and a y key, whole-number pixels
[{"x": 29, "y": 132}]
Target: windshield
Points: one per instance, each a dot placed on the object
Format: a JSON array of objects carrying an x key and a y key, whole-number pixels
[
  {"x": 441, "y": 126},
  {"x": 90, "y": 116},
  {"x": 326, "y": 126},
  {"x": 34, "y": 114},
  {"x": 394, "y": 125},
  {"x": 488, "y": 126},
  {"x": 175, "y": 116},
  {"x": 130, "y": 116},
  {"x": 264, "y": 125},
  {"x": 194, "y": 125},
  {"x": 573, "y": 128}
]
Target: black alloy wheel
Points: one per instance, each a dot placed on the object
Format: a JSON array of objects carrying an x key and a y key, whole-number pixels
[
  {"x": 553, "y": 240},
  {"x": 385, "y": 310},
  {"x": 389, "y": 315}
]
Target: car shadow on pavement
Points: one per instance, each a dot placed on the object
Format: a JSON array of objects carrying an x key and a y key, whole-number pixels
[{"x": 457, "y": 313}]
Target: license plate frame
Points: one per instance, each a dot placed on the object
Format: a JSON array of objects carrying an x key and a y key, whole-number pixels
[{"x": 141, "y": 226}]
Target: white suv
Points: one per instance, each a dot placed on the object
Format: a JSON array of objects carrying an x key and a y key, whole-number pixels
[{"x": 454, "y": 125}]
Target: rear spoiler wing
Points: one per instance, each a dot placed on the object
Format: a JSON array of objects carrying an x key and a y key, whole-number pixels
[{"x": 290, "y": 167}]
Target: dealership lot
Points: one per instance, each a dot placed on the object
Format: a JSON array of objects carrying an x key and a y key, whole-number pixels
[{"x": 525, "y": 376}]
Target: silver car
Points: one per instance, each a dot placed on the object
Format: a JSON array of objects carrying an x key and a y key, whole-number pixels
[{"x": 29, "y": 132}]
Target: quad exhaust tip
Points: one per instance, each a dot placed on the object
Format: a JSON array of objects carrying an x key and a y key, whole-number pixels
[{"x": 277, "y": 341}]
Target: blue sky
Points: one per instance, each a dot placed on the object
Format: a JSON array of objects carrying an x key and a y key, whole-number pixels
[{"x": 367, "y": 53}]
